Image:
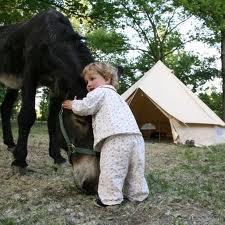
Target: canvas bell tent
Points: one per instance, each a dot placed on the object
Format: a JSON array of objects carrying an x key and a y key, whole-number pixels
[{"x": 165, "y": 108}]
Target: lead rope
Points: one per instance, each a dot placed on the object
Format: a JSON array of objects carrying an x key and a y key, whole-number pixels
[{"x": 71, "y": 148}]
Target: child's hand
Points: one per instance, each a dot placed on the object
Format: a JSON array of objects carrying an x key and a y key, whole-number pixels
[{"x": 67, "y": 104}]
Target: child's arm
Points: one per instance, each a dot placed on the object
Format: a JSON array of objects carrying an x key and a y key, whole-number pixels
[{"x": 88, "y": 105}]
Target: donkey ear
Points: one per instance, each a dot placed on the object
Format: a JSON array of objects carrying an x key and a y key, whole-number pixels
[{"x": 120, "y": 71}]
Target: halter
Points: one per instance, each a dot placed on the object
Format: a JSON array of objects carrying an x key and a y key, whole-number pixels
[{"x": 71, "y": 148}]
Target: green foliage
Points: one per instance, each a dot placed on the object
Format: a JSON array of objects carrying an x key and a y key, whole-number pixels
[
  {"x": 19, "y": 10},
  {"x": 107, "y": 41},
  {"x": 13, "y": 11},
  {"x": 128, "y": 76},
  {"x": 76, "y": 9},
  {"x": 211, "y": 11},
  {"x": 150, "y": 25},
  {"x": 214, "y": 101},
  {"x": 43, "y": 107},
  {"x": 191, "y": 70},
  {"x": 149, "y": 32},
  {"x": 132, "y": 34}
]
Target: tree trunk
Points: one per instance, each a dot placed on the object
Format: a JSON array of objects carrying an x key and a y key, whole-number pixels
[{"x": 223, "y": 68}]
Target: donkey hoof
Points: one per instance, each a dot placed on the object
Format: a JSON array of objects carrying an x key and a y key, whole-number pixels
[
  {"x": 59, "y": 161},
  {"x": 21, "y": 164},
  {"x": 16, "y": 170}
]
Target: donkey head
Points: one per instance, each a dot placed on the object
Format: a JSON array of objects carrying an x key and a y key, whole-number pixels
[{"x": 85, "y": 167}]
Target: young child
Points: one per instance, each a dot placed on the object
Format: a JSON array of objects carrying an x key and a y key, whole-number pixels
[{"x": 116, "y": 135}]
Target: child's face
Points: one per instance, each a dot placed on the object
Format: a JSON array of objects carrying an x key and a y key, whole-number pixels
[{"x": 94, "y": 79}]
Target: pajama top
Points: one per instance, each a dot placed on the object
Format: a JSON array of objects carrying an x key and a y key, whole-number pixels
[{"x": 111, "y": 115}]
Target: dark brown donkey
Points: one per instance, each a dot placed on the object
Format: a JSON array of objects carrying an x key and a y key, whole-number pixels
[{"x": 44, "y": 51}]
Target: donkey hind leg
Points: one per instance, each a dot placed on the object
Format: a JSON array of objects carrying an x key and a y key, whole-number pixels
[
  {"x": 6, "y": 112},
  {"x": 54, "y": 145},
  {"x": 26, "y": 119}
]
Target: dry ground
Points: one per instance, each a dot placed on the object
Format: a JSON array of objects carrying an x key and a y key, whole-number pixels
[{"x": 49, "y": 197}]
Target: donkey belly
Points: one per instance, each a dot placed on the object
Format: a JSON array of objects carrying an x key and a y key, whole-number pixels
[
  {"x": 86, "y": 173},
  {"x": 11, "y": 81}
]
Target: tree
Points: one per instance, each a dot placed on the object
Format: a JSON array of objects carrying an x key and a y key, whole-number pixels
[
  {"x": 13, "y": 11},
  {"x": 148, "y": 30},
  {"x": 44, "y": 104},
  {"x": 134, "y": 34},
  {"x": 212, "y": 12},
  {"x": 213, "y": 100}
]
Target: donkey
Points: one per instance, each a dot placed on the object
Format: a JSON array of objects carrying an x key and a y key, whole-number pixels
[
  {"x": 85, "y": 166},
  {"x": 44, "y": 51}
]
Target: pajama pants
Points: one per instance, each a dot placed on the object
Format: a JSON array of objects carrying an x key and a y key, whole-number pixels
[{"x": 122, "y": 165}]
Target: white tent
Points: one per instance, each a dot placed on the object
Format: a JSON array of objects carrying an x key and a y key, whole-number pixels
[{"x": 159, "y": 98}]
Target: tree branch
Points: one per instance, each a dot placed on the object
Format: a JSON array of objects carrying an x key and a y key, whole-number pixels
[
  {"x": 139, "y": 28},
  {"x": 64, "y": 9},
  {"x": 177, "y": 48}
]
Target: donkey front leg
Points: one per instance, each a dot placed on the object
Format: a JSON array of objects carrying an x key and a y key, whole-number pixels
[
  {"x": 6, "y": 112},
  {"x": 53, "y": 117},
  {"x": 26, "y": 119}
]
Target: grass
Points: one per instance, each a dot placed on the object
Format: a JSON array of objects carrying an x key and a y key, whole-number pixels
[
  {"x": 40, "y": 127},
  {"x": 200, "y": 178},
  {"x": 8, "y": 221},
  {"x": 187, "y": 187}
]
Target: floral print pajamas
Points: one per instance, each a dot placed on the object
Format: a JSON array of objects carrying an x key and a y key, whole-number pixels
[
  {"x": 118, "y": 138},
  {"x": 122, "y": 169}
]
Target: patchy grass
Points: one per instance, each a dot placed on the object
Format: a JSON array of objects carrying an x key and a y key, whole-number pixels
[
  {"x": 200, "y": 178},
  {"x": 186, "y": 188}
]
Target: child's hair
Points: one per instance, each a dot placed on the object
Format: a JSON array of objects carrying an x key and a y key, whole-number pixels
[{"x": 106, "y": 70}]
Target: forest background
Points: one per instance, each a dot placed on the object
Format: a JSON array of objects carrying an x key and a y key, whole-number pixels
[{"x": 135, "y": 34}]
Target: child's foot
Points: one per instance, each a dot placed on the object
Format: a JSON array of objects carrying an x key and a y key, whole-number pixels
[{"x": 99, "y": 203}]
